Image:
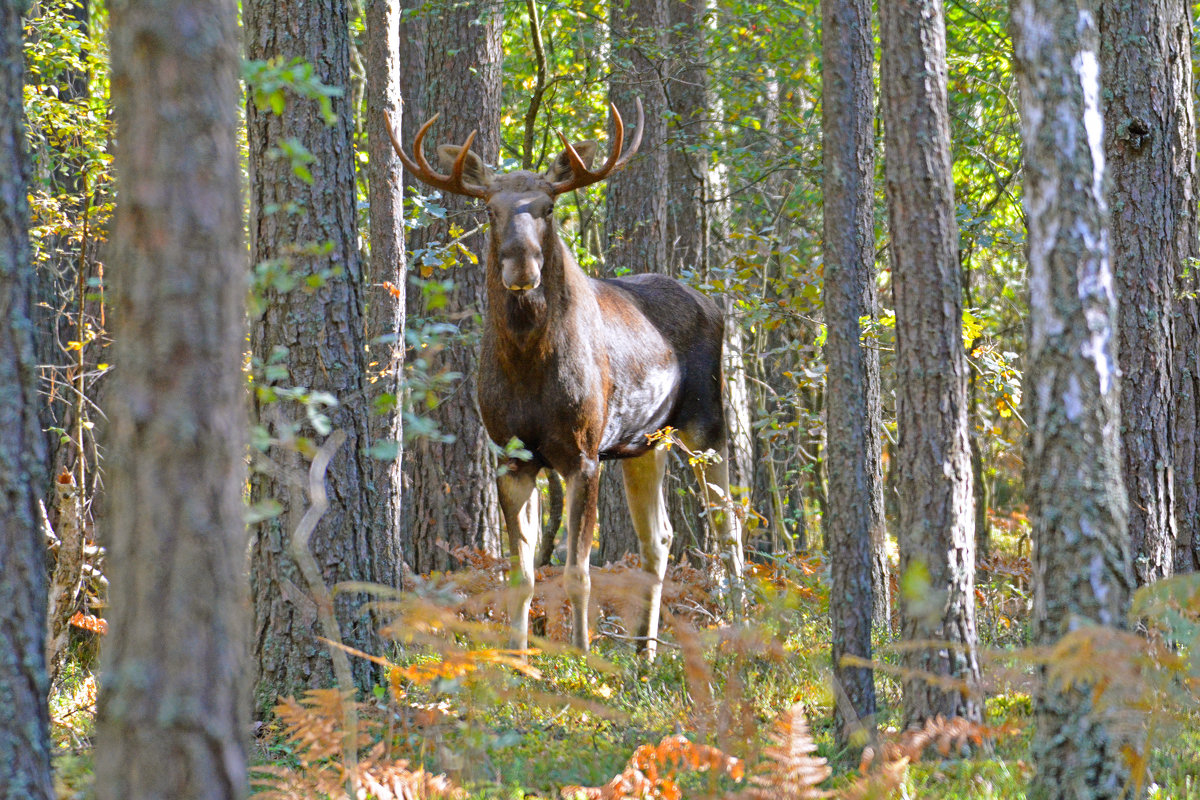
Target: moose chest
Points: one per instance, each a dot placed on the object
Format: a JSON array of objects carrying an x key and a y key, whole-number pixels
[
  {"x": 600, "y": 397},
  {"x": 553, "y": 403}
]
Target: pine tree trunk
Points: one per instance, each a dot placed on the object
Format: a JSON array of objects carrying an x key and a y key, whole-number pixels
[
  {"x": 309, "y": 230},
  {"x": 1186, "y": 301},
  {"x": 852, "y": 454},
  {"x": 387, "y": 277},
  {"x": 690, "y": 217},
  {"x": 937, "y": 525},
  {"x": 1143, "y": 57},
  {"x": 1082, "y": 567},
  {"x": 690, "y": 101},
  {"x": 25, "y": 722},
  {"x": 451, "y": 487},
  {"x": 411, "y": 53},
  {"x": 1187, "y": 408},
  {"x": 172, "y": 719},
  {"x": 636, "y": 223}
]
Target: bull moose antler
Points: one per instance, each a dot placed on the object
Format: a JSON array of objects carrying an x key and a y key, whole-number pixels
[
  {"x": 580, "y": 175},
  {"x": 419, "y": 167}
]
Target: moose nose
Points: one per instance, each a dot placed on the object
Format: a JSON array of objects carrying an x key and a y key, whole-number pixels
[{"x": 522, "y": 272}]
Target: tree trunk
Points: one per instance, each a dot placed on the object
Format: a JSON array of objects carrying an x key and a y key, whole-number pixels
[
  {"x": 172, "y": 718},
  {"x": 937, "y": 525},
  {"x": 25, "y": 723},
  {"x": 1187, "y": 404},
  {"x": 387, "y": 275},
  {"x": 307, "y": 232},
  {"x": 852, "y": 454},
  {"x": 1143, "y": 56},
  {"x": 635, "y": 226},
  {"x": 1186, "y": 303},
  {"x": 411, "y": 53},
  {"x": 1082, "y": 567},
  {"x": 451, "y": 486},
  {"x": 690, "y": 101}
]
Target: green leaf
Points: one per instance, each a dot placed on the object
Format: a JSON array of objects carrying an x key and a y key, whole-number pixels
[
  {"x": 385, "y": 450},
  {"x": 267, "y": 509}
]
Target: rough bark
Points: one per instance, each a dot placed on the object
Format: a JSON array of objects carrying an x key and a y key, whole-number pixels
[
  {"x": 450, "y": 496},
  {"x": 936, "y": 527},
  {"x": 1082, "y": 568},
  {"x": 24, "y": 725},
  {"x": 172, "y": 718},
  {"x": 410, "y": 50},
  {"x": 1187, "y": 403},
  {"x": 636, "y": 222},
  {"x": 689, "y": 101},
  {"x": 309, "y": 230},
  {"x": 855, "y": 510},
  {"x": 635, "y": 225},
  {"x": 386, "y": 277},
  {"x": 1145, "y": 50},
  {"x": 1186, "y": 300}
]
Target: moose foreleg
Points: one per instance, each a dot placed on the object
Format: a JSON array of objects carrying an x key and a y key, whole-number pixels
[
  {"x": 583, "y": 493},
  {"x": 714, "y": 478},
  {"x": 643, "y": 490},
  {"x": 517, "y": 490}
]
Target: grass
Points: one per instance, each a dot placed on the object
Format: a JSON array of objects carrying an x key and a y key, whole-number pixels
[{"x": 503, "y": 734}]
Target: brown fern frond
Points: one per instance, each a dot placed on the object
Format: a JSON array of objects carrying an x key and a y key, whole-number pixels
[
  {"x": 947, "y": 735},
  {"x": 313, "y": 727},
  {"x": 652, "y": 771},
  {"x": 789, "y": 770},
  {"x": 381, "y": 779},
  {"x": 458, "y": 664},
  {"x": 314, "y": 724},
  {"x": 881, "y": 782},
  {"x": 475, "y": 557},
  {"x": 697, "y": 673}
]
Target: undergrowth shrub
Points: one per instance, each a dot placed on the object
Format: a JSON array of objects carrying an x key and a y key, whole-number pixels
[{"x": 312, "y": 727}]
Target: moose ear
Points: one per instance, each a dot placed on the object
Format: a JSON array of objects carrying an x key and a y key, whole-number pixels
[
  {"x": 474, "y": 170},
  {"x": 560, "y": 170}
]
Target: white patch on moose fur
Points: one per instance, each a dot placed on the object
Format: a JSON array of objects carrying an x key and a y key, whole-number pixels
[{"x": 649, "y": 398}]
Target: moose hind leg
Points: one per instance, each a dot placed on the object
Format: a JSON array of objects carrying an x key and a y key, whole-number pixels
[
  {"x": 583, "y": 493},
  {"x": 517, "y": 490},
  {"x": 643, "y": 490}
]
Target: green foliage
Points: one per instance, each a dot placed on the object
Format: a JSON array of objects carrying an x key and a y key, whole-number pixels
[{"x": 269, "y": 83}]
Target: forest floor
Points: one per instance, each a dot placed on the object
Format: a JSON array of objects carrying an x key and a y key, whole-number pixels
[{"x": 720, "y": 704}]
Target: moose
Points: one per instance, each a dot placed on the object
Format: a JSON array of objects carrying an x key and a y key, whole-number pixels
[{"x": 582, "y": 371}]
